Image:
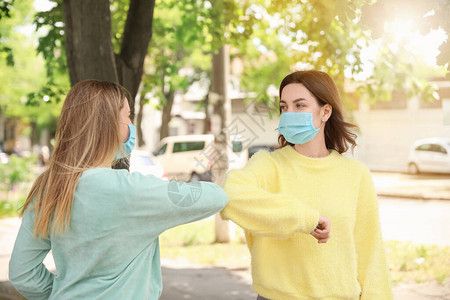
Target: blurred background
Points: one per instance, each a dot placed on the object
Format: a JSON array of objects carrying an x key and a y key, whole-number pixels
[{"x": 203, "y": 70}]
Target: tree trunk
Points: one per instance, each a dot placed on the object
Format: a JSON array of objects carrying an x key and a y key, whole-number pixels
[
  {"x": 166, "y": 115},
  {"x": 136, "y": 37},
  {"x": 222, "y": 108},
  {"x": 207, "y": 121},
  {"x": 140, "y": 114},
  {"x": 89, "y": 47},
  {"x": 34, "y": 137}
]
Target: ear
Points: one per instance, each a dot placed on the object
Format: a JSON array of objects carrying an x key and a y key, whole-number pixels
[{"x": 326, "y": 112}]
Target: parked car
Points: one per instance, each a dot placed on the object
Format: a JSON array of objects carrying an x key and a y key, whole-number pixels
[
  {"x": 144, "y": 162},
  {"x": 4, "y": 158},
  {"x": 190, "y": 157},
  {"x": 430, "y": 155},
  {"x": 253, "y": 149}
]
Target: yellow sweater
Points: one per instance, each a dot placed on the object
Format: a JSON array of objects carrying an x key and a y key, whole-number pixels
[{"x": 278, "y": 197}]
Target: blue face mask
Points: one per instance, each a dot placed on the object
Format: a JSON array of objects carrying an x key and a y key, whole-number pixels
[
  {"x": 125, "y": 149},
  {"x": 297, "y": 128}
]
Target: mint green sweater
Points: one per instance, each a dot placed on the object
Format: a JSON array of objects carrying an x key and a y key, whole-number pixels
[{"x": 111, "y": 249}]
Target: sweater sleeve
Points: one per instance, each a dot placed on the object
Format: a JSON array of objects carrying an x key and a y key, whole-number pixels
[
  {"x": 27, "y": 272},
  {"x": 373, "y": 275},
  {"x": 259, "y": 211},
  {"x": 166, "y": 204}
]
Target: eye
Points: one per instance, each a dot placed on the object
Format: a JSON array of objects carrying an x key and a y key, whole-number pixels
[
  {"x": 300, "y": 105},
  {"x": 282, "y": 107}
]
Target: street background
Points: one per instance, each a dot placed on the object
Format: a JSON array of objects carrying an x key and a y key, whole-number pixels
[{"x": 214, "y": 67}]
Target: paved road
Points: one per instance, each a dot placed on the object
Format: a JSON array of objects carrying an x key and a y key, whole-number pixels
[
  {"x": 205, "y": 283},
  {"x": 419, "y": 221}
]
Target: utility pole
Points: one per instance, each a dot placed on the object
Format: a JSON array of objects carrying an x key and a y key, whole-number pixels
[{"x": 220, "y": 119}]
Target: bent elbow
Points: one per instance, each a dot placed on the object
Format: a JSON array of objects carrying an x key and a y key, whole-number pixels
[{"x": 30, "y": 282}]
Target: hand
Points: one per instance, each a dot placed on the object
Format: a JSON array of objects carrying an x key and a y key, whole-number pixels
[{"x": 322, "y": 231}]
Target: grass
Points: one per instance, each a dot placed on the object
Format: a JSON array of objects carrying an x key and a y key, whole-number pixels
[
  {"x": 194, "y": 243},
  {"x": 418, "y": 263},
  {"x": 10, "y": 208}
]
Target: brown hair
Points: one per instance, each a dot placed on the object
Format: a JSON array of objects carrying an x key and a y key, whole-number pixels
[
  {"x": 338, "y": 135},
  {"x": 87, "y": 135}
]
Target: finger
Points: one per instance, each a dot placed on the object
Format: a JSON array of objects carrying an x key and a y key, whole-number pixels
[
  {"x": 318, "y": 234},
  {"x": 315, "y": 235},
  {"x": 323, "y": 241},
  {"x": 321, "y": 233},
  {"x": 324, "y": 226},
  {"x": 318, "y": 237}
]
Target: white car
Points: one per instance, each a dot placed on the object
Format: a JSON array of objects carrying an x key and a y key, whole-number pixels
[
  {"x": 190, "y": 157},
  {"x": 145, "y": 163},
  {"x": 4, "y": 158},
  {"x": 430, "y": 155}
]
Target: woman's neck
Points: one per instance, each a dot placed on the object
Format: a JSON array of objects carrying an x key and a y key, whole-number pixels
[{"x": 313, "y": 149}]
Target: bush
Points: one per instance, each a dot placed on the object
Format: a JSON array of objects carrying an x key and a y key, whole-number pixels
[{"x": 15, "y": 177}]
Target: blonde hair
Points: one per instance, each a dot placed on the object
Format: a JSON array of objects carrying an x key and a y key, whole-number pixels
[{"x": 87, "y": 135}]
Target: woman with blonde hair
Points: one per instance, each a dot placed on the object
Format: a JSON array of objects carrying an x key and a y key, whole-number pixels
[
  {"x": 102, "y": 225},
  {"x": 309, "y": 213}
]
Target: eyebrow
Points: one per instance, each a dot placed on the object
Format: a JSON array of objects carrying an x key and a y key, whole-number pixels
[{"x": 296, "y": 100}]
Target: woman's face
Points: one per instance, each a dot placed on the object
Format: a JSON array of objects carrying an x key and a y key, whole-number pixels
[
  {"x": 296, "y": 98},
  {"x": 124, "y": 120}
]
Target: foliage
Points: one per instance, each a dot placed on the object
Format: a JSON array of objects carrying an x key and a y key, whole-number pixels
[
  {"x": 17, "y": 170},
  {"x": 176, "y": 37},
  {"x": 11, "y": 208},
  {"x": 5, "y": 8},
  {"x": 6, "y": 52},
  {"x": 52, "y": 43},
  {"x": 185, "y": 35},
  {"x": 25, "y": 81},
  {"x": 330, "y": 36},
  {"x": 425, "y": 15},
  {"x": 291, "y": 35},
  {"x": 15, "y": 180}
]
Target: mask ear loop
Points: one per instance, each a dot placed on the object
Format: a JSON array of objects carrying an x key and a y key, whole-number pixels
[{"x": 323, "y": 122}]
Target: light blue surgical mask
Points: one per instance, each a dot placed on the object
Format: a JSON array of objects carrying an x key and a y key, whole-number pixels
[
  {"x": 125, "y": 149},
  {"x": 297, "y": 128}
]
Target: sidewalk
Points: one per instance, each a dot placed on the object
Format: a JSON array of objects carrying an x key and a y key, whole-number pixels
[
  {"x": 206, "y": 282},
  {"x": 424, "y": 187}
]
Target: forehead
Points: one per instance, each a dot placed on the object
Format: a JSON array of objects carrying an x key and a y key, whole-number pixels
[{"x": 295, "y": 91}]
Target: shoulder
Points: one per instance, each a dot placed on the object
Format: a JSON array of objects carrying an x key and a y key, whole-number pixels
[
  {"x": 261, "y": 158},
  {"x": 106, "y": 175},
  {"x": 279, "y": 155},
  {"x": 112, "y": 179},
  {"x": 259, "y": 166}
]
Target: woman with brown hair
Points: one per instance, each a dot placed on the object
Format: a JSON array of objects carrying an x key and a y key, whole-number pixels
[
  {"x": 102, "y": 225},
  {"x": 281, "y": 199}
]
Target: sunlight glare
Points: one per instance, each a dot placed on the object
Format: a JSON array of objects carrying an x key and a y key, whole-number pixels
[{"x": 422, "y": 45}]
